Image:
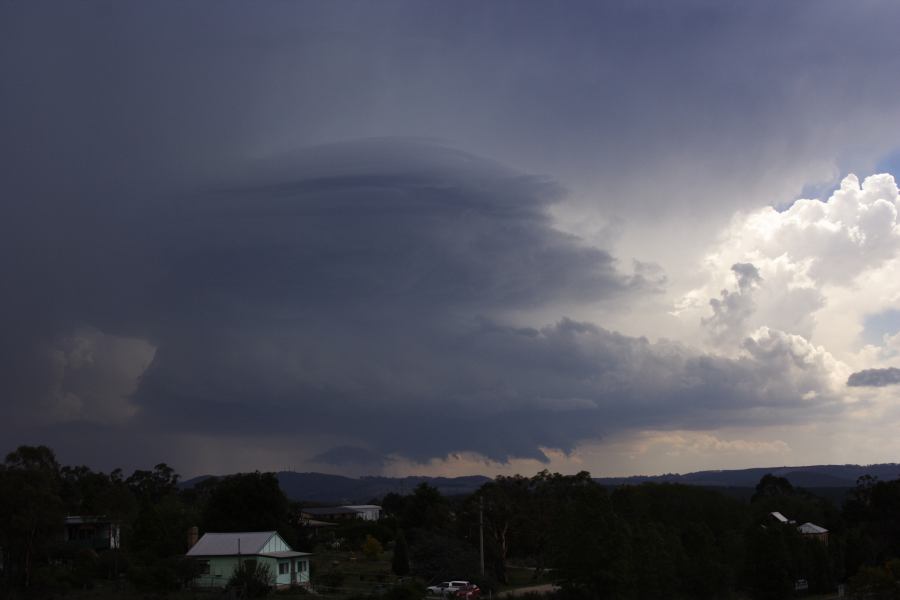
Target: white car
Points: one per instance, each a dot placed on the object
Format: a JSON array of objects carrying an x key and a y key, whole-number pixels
[{"x": 447, "y": 588}]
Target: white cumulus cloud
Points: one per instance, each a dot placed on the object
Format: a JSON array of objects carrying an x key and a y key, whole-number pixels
[{"x": 822, "y": 265}]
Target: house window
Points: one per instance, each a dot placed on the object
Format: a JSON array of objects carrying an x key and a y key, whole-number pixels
[
  {"x": 203, "y": 567},
  {"x": 301, "y": 566},
  {"x": 283, "y": 568}
]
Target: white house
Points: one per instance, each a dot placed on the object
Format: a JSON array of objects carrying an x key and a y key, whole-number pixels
[
  {"x": 367, "y": 512},
  {"x": 219, "y": 555}
]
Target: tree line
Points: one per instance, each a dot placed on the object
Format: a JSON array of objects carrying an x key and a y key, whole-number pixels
[
  {"x": 630, "y": 542},
  {"x": 154, "y": 515}
]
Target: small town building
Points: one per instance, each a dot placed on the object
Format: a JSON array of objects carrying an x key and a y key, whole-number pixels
[
  {"x": 813, "y": 531},
  {"x": 780, "y": 518},
  {"x": 95, "y": 532},
  {"x": 366, "y": 512},
  {"x": 220, "y": 554},
  {"x": 807, "y": 530},
  {"x": 316, "y": 528}
]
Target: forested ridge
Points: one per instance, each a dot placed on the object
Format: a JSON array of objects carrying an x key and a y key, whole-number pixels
[{"x": 642, "y": 541}]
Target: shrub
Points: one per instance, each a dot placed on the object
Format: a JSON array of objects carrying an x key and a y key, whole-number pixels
[
  {"x": 371, "y": 548},
  {"x": 251, "y": 580}
]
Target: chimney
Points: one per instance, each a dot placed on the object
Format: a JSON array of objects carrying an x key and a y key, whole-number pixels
[{"x": 193, "y": 534}]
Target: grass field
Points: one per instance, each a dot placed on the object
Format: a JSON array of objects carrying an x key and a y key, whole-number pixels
[{"x": 343, "y": 574}]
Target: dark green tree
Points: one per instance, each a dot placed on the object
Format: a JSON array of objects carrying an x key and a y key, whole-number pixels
[
  {"x": 591, "y": 544},
  {"x": 506, "y": 503},
  {"x": 438, "y": 555},
  {"x": 248, "y": 502},
  {"x": 400, "y": 560},
  {"x": 31, "y": 512},
  {"x": 772, "y": 485},
  {"x": 426, "y": 508},
  {"x": 769, "y": 574},
  {"x": 152, "y": 486}
]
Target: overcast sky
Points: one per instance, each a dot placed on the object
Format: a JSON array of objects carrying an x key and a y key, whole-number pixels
[{"x": 450, "y": 237}]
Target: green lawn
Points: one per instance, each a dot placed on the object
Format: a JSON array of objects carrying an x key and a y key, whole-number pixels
[
  {"x": 519, "y": 577},
  {"x": 340, "y": 574}
]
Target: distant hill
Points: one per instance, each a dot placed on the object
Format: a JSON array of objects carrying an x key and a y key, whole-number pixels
[
  {"x": 337, "y": 489},
  {"x": 816, "y": 476}
]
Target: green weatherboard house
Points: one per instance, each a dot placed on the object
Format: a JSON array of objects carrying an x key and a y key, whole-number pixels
[{"x": 220, "y": 553}]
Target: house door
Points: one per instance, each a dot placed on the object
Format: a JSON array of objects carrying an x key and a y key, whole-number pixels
[{"x": 293, "y": 572}]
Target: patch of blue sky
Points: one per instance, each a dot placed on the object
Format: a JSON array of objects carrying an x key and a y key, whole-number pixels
[
  {"x": 890, "y": 163},
  {"x": 877, "y": 325},
  {"x": 820, "y": 190}
]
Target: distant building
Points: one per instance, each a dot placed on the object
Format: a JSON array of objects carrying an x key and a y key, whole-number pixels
[
  {"x": 807, "y": 530},
  {"x": 813, "y": 531},
  {"x": 220, "y": 554},
  {"x": 781, "y": 518},
  {"x": 94, "y": 532},
  {"x": 366, "y": 512}
]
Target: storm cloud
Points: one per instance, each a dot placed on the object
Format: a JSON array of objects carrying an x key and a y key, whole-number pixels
[
  {"x": 379, "y": 291},
  {"x": 365, "y": 232}
]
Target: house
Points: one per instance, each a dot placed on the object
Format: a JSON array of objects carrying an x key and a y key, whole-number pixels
[
  {"x": 219, "y": 555},
  {"x": 807, "y": 530},
  {"x": 366, "y": 512},
  {"x": 94, "y": 532},
  {"x": 813, "y": 531}
]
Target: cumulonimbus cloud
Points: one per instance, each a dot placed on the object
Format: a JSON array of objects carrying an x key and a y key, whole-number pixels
[{"x": 379, "y": 291}]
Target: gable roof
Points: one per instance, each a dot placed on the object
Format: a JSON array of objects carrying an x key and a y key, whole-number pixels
[
  {"x": 226, "y": 544},
  {"x": 811, "y": 528}
]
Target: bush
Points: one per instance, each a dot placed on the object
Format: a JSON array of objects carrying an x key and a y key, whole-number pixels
[
  {"x": 409, "y": 590},
  {"x": 371, "y": 548},
  {"x": 251, "y": 580},
  {"x": 111, "y": 563},
  {"x": 874, "y": 583},
  {"x": 156, "y": 577},
  {"x": 330, "y": 582}
]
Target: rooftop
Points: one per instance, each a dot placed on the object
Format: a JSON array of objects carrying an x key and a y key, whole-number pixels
[
  {"x": 227, "y": 544},
  {"x": 811, "y": 528}
]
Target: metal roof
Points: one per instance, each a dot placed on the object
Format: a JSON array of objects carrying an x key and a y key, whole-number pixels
[
  {"x": 315, "y": 523},
  {"x": 811, "y": 528},
  {"x": 285, "y": 554},
  {"x": 79, "y": 519},
  {"x": 779, "y": 516},
  {"x": 226, "y": 544}
]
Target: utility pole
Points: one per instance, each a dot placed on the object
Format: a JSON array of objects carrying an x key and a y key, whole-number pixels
[{"x": 481, "y": 530}]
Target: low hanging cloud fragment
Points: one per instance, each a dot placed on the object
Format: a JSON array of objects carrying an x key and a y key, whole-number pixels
[
  {"x": 875, "y": 377},
  {"x": 732, "y": 309}
]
